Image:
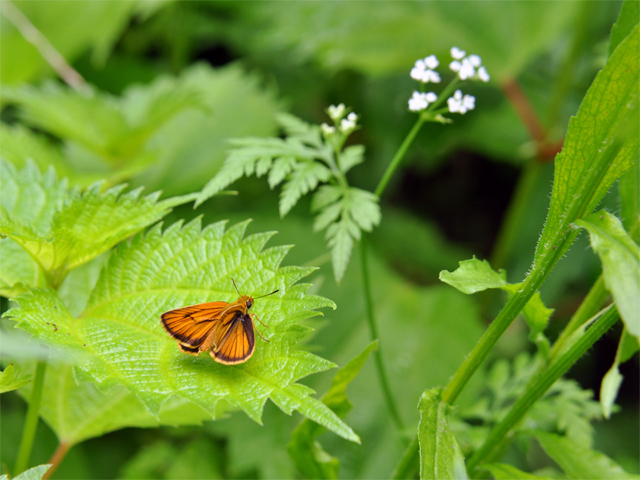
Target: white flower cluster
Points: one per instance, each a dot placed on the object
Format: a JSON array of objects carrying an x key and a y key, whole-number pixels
[
  {"x": 336, "y": 113},
  {"x": 420, "y": 101},
  {"x": 468, "y": 67},
  {"x": 461, "y": 104},
  {"x": 424, "y": 70}
]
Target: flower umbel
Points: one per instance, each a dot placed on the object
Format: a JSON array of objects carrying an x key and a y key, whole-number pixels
[
  {"x": 420, "y": 101},
  {"x": 461, "y": 104},
  {"x": 424, "y": 72},
  {"x": 469, "y": 67}
]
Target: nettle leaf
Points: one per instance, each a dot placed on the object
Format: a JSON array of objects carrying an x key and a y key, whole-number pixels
[
  {"x": 34, "y": 473},
  {"x": 440, "y": 454},
  {"x": 61, "y": 228},
  {"x": 620, "y": 258},
  {"x": 580, "y": 462},
  {"x": 308, "y": 455},
  {"x": 118, "y": 338},
  {"x": 474, "y": 276},
  {"x": 10, "y": 379},
  {"x": 612, "y": 380}
]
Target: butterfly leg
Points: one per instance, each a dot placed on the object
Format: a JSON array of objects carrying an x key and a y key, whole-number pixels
[{"x": 263, "y": 324}]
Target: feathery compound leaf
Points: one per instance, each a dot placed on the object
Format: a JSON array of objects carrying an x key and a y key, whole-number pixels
[
  {"x": 304, "y": 179},
  {"x": 118, "y": 337},
  {"x": 61, "y": 228}
]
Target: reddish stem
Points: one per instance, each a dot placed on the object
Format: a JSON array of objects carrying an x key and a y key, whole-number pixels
[{"x": 56, "y": 458}]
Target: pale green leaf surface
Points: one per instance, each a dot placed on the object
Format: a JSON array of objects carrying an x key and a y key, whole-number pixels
[
  {"x": 629, "y": 187},
  {"x": 34, "y": 473},
  {"x": 12, "y": 380},
  {"x": 304, "y": 179},
  {"x": 580, "y": 462},
  {"x": 126, "y": 344},
  {"x": 604, "y": 111},
  {"x": 474, "y": 276},
  {"x": 502, "y": 471},
  {"x": 350, "y": 157},
  {"x": 620, "y": 258},
  {"x": 307, "y": 454},
  {"x": 627, "y": 19},
  {"x": 440, "y": 454},
  {"x": 18, "y": 271},
  {"x": 613, "y": 378}
]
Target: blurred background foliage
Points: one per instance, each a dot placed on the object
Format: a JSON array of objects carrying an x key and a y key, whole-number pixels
[{"x": 175, "y": 80}]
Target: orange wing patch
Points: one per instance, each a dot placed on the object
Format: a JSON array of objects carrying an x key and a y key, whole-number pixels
[
  {"x": 235, "y": 340},
  {"x": 191, "y": 325}
]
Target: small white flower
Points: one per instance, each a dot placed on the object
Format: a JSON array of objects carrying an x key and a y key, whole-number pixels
[
  {"x": 418, "y": 70},
  {"x": 336, "y": 113},
  {"x": 431, "y": 62},
  {"x": 352, "y": 117},
  {"x": 457, "y": 54},
  {"x": 431, "y": 76},
  {"x": 460, "y": 104},
  {"x": 418, "y": 102},
  {"x": 327, "y": 129},
  {"x": 483, "y": 74},
  {"x": 466, "y": 70},
  {"x": 475, "y": 60},
  {"x": 455, "y": 66},
  {"x": 347, "y": 125},
  {"x": 430, "y": 97}
]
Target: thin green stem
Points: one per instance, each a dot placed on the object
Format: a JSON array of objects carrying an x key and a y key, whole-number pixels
[
  {"x": 31, "y": 422},
  {"x": 541, "y": 382},
  {"x": 409, "y": 463},
  {"x": 395, "y": 162},
  {"x": 373, "y": 330}
]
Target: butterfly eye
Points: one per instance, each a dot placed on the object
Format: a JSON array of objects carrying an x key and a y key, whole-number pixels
[{"x": 249, "y": 303}]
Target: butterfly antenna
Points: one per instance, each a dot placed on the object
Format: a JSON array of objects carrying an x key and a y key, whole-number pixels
[
  {"x": 266, "y": 295},
  {"x": 234, "y": 284}
]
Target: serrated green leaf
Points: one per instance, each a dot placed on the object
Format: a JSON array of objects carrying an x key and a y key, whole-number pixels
[
  {"x": 363, "y": 208},
  {"x": 579, "y": 462},
  {"x": 18, "y": 271},
  {"x": 613, "y": 378},
  {"x": 440, "y": 454},
  {"x": 627, "y": 19},
  {"x": 62, "y": 229},
  {"x": 304, "y": 131},
  {"x": 10, "y": 380},
  {"x": 600, "y": 146},
  {"x": 34, "y": 473},
  {"x": 308, "y": 455},
  {"x": 160, "y": 271},
  {"x": 304, "y": 179},
  {"x": 474, "y": 276},
  {"x": 341, "y": 243},
  {"x": 350, "y": 157},
  {"x": 326, "y": 195},
  {"x": 620, "y": 258},
  {"x": 502, "y": 471},
  {"x": 281, "y": 168}
]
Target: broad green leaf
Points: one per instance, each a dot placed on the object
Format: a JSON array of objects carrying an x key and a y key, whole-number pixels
[
  {"x": 600, "y": 146},
  {"x": 579, "y": 462},
  {"x": 440, "y": 454},
  {"x": 620, "y": 258},
  {"x": 62, "y": 229},
  {"x": 18, "y": 271},
  {"x": 308, "y": 455},
  {"x": 122, "y": 341},
  {"x": 35, "y": 473},
  {"x": 613, "y": 378},
  {"x": 10, "y": 380},
  {"x": 76, "y": 411},
  {"x": 502, "y": 471},
  {"x": 474, "y": 276},
  {"x": 627, "y": 19}
]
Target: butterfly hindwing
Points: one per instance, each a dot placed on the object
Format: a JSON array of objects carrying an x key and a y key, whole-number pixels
[{"x": 235, "y": 339}]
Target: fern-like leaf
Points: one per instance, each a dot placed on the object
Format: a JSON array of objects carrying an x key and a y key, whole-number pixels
[{"x": 118, "y": 337}]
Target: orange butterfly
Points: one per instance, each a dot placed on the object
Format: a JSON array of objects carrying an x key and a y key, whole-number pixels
[{"x": 225, "y": 330}]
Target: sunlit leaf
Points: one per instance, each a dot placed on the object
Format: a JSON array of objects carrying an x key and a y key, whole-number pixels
[
  {"x": 11, "y": 380},
  {"x": 474, "y": 276}
]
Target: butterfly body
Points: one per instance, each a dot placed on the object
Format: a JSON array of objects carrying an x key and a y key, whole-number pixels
[{"x": 223, "y": 329}]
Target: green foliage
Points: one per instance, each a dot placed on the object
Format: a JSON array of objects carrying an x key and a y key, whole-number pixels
[
  {"x": 440, "y": 454},
  {"x": 35, "y": 473},
  {"x": 61, "y": 228},
  {"x": 578, "y": 461},
  {"x": 627, "y": 20},
  {"x": 502, "y": 471},
  {"x": 474, "y": 276},
  {"x": 303, "y": 160},
  {"x": 118, "y": 338},
  {"x": 307, "y": 454},
  {"x": 613, "y": 378},
  {"x": 620, "y": 258},
  {"x": 12, "y": 380}
]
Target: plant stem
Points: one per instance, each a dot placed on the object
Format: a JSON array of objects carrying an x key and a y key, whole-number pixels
[
  {"x": 56, "y": 458},
  {"x": 31, "y": 422},
  {"x": 395, "y": 162},
  {"x": 409, "y": 463},
  {"x": 373, "y": 329},
  {"x": 541, "y": 382}
]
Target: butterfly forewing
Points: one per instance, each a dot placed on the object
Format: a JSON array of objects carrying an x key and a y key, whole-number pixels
[{"x": 191, "y": 325}]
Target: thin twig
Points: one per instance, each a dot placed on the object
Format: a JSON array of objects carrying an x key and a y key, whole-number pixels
[
  {"x": 56, "y": 458},
  {"x": 32, "y": 35}
]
